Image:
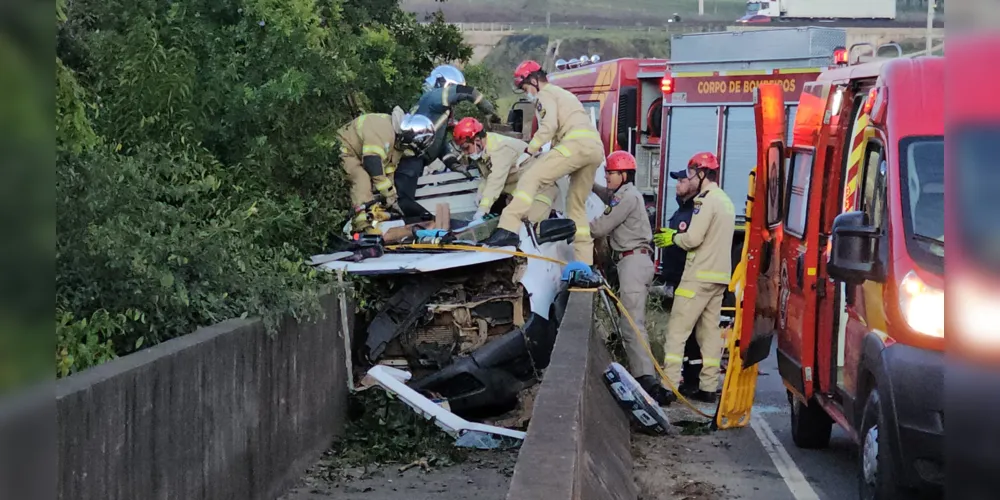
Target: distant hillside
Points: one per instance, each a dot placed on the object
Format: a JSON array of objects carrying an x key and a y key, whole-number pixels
[
  {"x": 590, "y": 12},
  {"x": 515, "y": 48},
  {"x": 604, "y": 12}
]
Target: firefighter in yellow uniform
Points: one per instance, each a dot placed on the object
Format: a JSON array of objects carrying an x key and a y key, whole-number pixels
[
  {"x": 501, "y": 161},
  {"x": 698, "y": 298},
  {"x": 577, "y": 151},
  {"x": 371, "y": 147},
  {"x": 626, "y": 222}
]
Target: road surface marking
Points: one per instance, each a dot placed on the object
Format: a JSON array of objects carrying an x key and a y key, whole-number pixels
[{"x": 796, "y": 481}]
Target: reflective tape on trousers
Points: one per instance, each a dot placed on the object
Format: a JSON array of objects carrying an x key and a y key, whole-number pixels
[
  {"x": 521, "y": 195},
  {"x": 712, "y": 275},
  {"x": 684, "y": 292}
]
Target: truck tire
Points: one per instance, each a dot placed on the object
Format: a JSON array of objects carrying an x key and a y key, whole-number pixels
[
  {"x": 876, "y": 465},
  {"x": 811, "y": 426}
]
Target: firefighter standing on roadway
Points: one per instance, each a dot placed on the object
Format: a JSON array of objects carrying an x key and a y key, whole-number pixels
[
  {"x": 626, "y": 222},
  {"x": 501, "y": 161},
  {"x": 443, "y": 89},
  {"x": 371, "y": 147},
  {"x": 698, "y": 298},
  {"x": 672, "y": 260},
  {"x": 577, "y": 151}
]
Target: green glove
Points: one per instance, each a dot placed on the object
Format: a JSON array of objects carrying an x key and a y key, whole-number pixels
[{"x": 664, "y": 238}]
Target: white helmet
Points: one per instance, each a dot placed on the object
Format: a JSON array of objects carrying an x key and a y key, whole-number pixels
[
  {"x": 416, "y": 132},
  {"x": 444, "y": 75}
]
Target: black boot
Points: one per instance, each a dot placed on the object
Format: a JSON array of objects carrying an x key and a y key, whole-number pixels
[
  {"x": 697, "y": 394},
  {"x": 661, "y": 395},
  {"x": 502, "y": 238}
]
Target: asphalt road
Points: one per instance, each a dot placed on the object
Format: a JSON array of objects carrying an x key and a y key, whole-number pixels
[
  {"x": 757, "y": 462},
  {"x": 830, "y": 472}
]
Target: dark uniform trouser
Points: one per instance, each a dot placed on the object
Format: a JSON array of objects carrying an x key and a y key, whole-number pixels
[
  {"x": 407, "y": 173},
  {"x": 635, "y": 273}
]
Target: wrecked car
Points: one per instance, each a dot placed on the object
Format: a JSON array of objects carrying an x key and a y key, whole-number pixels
[{"x": 475, "y": 328}]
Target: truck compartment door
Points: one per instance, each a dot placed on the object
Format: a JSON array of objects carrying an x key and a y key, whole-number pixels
[
  {"x": 808, "y": 167},
  {"x": 757, "y": 298}
]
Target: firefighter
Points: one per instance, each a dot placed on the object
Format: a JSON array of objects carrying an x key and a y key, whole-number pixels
[
  {"x": 626, "y": 222},
  {"x": 698, "y": 298},
  {"x": 443, "y": 89},
  {"x": 577, "y": 151},
  {"x": 371, "y": 147},
  {"x": 501, "y": 160},
  {"x": 673, "y": 259}
]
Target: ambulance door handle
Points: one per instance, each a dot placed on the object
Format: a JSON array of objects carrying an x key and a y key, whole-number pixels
[{"x": 799, "y": 264}]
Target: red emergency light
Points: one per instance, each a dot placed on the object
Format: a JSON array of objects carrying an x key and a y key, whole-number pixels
[
  {"x": 870, "y": 101},
  {"x": 667, "y": 85},
  {"x": 840, "y": 55}
]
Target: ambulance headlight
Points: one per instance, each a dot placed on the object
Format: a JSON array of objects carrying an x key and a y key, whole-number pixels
[
  {"x": 922, "y": 305},
  {"x": 975, "y": 308}
]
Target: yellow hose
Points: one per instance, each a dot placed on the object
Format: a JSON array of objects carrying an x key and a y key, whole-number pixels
[{"x": 645, "y": 344}]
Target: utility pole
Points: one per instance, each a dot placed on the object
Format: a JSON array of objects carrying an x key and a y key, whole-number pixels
[
  {"x": 930, "y": 25},
  {"x": 701, "y": 8}
]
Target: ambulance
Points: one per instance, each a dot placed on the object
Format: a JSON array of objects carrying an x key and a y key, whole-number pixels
[{"x": 845, "y": 264}]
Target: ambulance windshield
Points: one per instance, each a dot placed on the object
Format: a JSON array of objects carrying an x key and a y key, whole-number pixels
[
  {"x": 922, "y": 176},
  {"x": 974, "y": 155}
]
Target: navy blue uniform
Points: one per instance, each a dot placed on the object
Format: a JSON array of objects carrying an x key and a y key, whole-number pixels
[
  {"x": 435, "y": 104},
  {"x": 672, "y": 260}
]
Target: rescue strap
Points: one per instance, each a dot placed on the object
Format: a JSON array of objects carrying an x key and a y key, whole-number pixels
[{"x": 603, "y": 288}]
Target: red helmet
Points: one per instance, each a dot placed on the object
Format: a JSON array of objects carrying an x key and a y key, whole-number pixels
[
  {"x": 524, "y": 70},
  {"x": 466, "y": 129},
  {"x": 620, "y": 161},
  {"x": 706, "y": 160}
]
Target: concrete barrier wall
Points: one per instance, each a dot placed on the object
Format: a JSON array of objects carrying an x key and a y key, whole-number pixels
[
  {"x": 226, "y": 412},
  {"x": 578, "y": 445}
]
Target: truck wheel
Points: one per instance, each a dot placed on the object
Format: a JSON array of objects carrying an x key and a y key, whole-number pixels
[
  {"x": 811, "y": 426},
  {"x": 876, "y": 465}
]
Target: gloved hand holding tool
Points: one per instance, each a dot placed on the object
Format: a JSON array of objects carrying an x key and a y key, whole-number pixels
[
  {"x": 664, "y": 238},
  {"x": 384, "y": 186}
]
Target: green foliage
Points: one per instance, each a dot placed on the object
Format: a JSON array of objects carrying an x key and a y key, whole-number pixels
[
  {"x": 389, "y": 431},
  {"x": 197, "y": 163}
]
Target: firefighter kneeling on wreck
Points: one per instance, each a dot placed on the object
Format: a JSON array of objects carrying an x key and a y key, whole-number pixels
[
  {"x": 501, "y": 162},
  {"x": 626, "y": 222}
]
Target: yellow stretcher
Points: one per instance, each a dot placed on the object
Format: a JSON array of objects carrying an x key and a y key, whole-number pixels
[{"x": 740, "y": 384}]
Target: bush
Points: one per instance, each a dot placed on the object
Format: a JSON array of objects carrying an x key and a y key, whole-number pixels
[{"x": 197, "y": 161}]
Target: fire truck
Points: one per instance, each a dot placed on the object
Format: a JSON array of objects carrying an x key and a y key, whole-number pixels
[
  {"x": 708, "y": 102},
  {"x": 624, "y": 99}
]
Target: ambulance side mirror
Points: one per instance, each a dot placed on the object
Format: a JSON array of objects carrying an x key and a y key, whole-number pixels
[
  {"x": 550, "y": 230},
  {"x": 852, "y": 249}
]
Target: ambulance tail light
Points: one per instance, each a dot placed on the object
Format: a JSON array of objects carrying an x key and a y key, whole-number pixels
[
  {"x": 667, "y": 85},
  {"x": 840, "y": 56},
  {"x": 870, "y": 101},
  {"x": 879, "y": 106}
]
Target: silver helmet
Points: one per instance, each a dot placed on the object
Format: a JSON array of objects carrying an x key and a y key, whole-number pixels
[
  {"x": 416, "y": 133},
  {"x": 444, "y": 75},
  {"x": 561, "y": 64}
]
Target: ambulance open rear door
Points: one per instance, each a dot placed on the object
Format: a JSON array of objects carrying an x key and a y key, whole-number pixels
[{"x": 749, "y": 341}]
